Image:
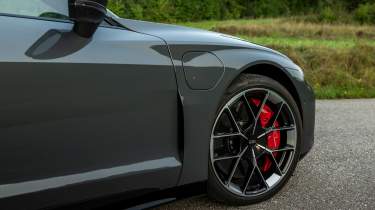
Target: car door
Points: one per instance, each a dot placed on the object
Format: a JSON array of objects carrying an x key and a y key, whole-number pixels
[{"x": 92, "y": 116}]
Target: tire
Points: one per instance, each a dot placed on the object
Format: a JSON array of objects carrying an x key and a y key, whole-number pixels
[{"x": 220, "y": 186}]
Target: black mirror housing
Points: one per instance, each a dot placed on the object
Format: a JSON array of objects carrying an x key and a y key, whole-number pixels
[{"x": 87, "y": 15}]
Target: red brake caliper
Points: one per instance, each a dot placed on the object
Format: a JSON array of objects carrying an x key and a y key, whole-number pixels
[{"x": 273, "y": 138}]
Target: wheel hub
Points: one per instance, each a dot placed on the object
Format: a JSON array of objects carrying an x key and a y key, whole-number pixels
[{"x": 252, "y": 142}]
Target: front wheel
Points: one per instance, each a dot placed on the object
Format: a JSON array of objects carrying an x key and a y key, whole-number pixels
[{"x": 255, "y": 141}]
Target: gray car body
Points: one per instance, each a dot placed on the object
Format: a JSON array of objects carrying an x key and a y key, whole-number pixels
[{"x": 129, "y": 111}]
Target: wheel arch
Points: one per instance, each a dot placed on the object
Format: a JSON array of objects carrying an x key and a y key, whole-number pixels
[
  {"x": 275, "y": 72},
  {"x": 200, "y": 107}
]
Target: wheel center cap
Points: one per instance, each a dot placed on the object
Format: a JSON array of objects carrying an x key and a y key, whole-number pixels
[{"x": 252, "y": 142}]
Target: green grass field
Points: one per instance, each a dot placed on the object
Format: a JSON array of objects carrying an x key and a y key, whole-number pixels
[{"x": 339, "y": 60}]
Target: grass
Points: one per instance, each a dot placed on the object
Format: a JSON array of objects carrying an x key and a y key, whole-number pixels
[
  {"x": 306, "y": 42},
  {"x": 290, "y": 27},
  {"x": 339, "y": 60},
  {"x": 331, "y": 92}
]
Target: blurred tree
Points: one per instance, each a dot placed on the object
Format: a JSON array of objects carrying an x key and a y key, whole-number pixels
[{"x": 195, "y": 10}]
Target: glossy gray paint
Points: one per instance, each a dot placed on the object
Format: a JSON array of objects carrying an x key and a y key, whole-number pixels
[
  {"x": 104, "y": 118},
  {"x": 101, "y": 112}
]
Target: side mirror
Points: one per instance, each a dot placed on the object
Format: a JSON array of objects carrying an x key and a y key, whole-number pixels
[{"x": 87, "y": 15}]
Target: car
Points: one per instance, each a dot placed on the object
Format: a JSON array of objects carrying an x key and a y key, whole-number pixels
[{"x": 94, "y": 106}]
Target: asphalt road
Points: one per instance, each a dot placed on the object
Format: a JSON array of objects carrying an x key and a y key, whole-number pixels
[{"x": 339, "y": 173}]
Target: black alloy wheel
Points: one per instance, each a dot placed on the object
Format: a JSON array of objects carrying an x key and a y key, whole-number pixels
[{"x": 255, "y": 141}]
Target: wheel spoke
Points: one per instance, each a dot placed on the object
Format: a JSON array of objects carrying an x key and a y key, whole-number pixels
[
  {"x": 248, "y": 180},
  {"x": 231, "y": 157},
  {"x": 255, "y": 163},
  {"x": 260, "y": 111},
  {"x": 249, "y": 106},
  {"x": 261, "y": 154},
  {"x": 276, "y": 164},
  {"x": 236, "y": 124},
  {"x": 227, "y": 135},
  {"x": 270, "y": 152},
  {"x": 285, "y": 149},
  {"x": 285, "y": 128},
  {"x": 226, "y": 158},
  {"x": 262, "y": 177},
  {"x": 275, "y": 116},
  {"x": 236, "y": 165},
  {"x": 270, "y": 130},
  {"x": 233, "y": 119},
  {"x": 264, "y": 148}
]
